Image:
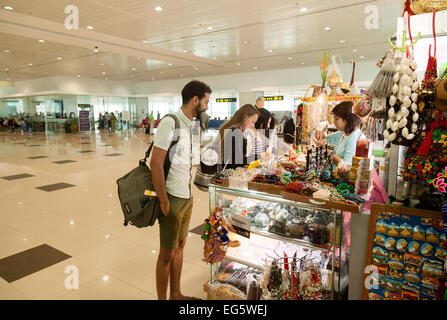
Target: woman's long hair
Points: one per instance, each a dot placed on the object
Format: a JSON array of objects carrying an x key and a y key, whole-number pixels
[{"x": 236, "y": 121}]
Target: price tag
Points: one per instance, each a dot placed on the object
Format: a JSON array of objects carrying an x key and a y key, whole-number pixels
[
  {"x": 240, "y": 221},
  {"x": 378, "y": 104}
]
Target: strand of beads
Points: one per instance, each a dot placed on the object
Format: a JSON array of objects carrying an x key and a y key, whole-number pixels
[{"x": 404, "y": 95}]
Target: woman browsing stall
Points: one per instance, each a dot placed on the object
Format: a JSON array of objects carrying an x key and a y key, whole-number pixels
[
  {"x": 233, "y": 135},
  {"x": 230, "y": 146},
  {"x": 345, "y": 140}
]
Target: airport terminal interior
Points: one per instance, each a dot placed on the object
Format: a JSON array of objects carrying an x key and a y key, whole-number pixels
[{"x": 84, "y": 85}]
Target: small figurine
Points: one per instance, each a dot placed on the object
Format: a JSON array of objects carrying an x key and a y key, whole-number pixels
[{"x": 206, "y": 230}]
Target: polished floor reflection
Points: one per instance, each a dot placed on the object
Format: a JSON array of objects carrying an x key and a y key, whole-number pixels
[{"x": 59, "y": 194}]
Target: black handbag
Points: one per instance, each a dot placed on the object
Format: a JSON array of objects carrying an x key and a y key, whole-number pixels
[{"x": 139, "y": 209}]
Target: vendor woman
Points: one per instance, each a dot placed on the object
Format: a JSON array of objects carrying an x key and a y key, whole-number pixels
[{"x": 345, "y": 140}]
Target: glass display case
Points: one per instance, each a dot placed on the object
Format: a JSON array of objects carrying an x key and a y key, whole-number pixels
[{"x": 288, "y": 250}]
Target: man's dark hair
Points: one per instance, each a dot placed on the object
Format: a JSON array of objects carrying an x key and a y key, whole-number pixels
[{"x": 195, "y": 88}]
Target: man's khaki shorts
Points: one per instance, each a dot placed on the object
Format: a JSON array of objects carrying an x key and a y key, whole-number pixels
[{"x": 175, "y": 225}]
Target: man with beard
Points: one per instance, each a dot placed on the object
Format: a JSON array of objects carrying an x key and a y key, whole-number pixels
[{"x": 174, "y": 192}]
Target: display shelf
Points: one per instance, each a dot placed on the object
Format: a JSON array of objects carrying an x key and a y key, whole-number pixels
[
  {"x": 259, "y": 246},
  {"x": 290, "y": 199},
  {"x": 303, "y": 243},
  {"x": 246, "y": 262},
  {"x": 322, "y": 202},
  {"x": 212, "y": 294},
  {"x": 248, "y": 252},
  {"x": 252, "y": 194}
]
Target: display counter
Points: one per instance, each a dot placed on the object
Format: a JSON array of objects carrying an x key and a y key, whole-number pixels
[{"x": 299, "y": 238}]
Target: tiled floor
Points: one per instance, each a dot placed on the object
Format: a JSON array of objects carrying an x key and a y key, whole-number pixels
[{"x": 85, "y": 220}]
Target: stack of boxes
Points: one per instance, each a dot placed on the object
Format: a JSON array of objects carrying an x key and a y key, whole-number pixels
[{"x": 360, "y": 175}]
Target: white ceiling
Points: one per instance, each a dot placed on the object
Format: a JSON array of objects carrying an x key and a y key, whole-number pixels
[{"x": 121, "y": 26}]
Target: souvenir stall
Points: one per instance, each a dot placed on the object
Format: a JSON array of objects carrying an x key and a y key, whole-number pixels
[
  {"x": 277, "y": 228},
  {"x": 409, "y": 93},
  {"x": 299, "y": 227}
]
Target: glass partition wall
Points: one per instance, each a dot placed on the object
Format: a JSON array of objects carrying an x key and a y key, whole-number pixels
[{"x": 59, "y": 113}]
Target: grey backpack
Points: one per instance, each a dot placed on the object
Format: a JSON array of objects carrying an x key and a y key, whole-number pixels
[{"x": 139, "y": 209}]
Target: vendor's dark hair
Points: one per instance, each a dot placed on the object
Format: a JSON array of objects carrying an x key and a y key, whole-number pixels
[
  {"x": 195, "y": 88},
  {"x": 344, "y": 110},
  {"x": 263, "y": 120}
]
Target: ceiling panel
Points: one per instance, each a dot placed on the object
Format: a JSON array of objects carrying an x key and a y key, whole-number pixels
[{"x": 182, "y": 25}]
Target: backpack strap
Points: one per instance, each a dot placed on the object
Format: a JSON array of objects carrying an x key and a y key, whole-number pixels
[{"x": 172, "y": 147}]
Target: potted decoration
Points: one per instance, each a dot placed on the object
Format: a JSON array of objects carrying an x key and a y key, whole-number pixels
[{"x": 324, "y": 65}]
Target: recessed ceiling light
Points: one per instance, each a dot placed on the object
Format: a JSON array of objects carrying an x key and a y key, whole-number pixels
[
  {"x": 256, "y": 68},
  {"x": 214, "y": 58},
  {"x": 342, "y": 41},
  {"x": 78, "y": 76},
  {"x": 144, "y": 41},
  {"x": 104, "y": 73},
  {"x": 290, "y": 58},
  {"x": 302, "y": 62},
  {"x": 72, "y": 222},
  {"x": 196, "y": 68},
  {"x": 169, "y": 64},
  {"x": 355, "y": 50},
  {"x": 362, "y": 57},
  {"x": 270, "y": 50},
  {"x": 8, "y": 8},
  {"x": 185, "y": 51},
  {"x": 134, "y": 69},
  {"x": 101, "y": 64},
  {"x": 105, "y": 278},
  {"x": 210, "y": 28},
  {"x": 245, "y": 41},
  {"x": 153, "y": 78},
  {"x": 42, "y": 41},
  {"x": 30, "y": 64},
  {"x": 6, "y": 69},
  {"x": 238, "y": 63},
  {"x": 6, "y": 51},
  {"x": 328, "y": 28},
  {"x": 90, "y": 27},
  {"x": 158, "y": 8},
  {"x": 303, "y": 9},
  {"x": 95, "y": 50},
  {"x": 59, "y": 58}
]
